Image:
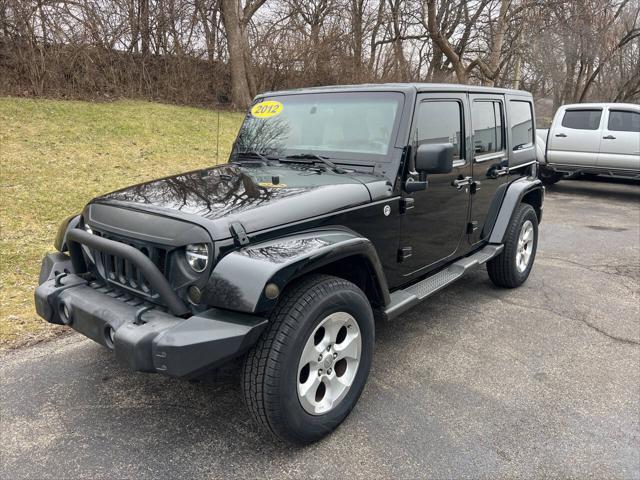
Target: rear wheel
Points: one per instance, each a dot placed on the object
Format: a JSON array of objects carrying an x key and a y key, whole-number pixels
[
  {"x": 307, "y": 371},
  {"x": 512, "y": 267},
  {"x": 549, "y": 177}
]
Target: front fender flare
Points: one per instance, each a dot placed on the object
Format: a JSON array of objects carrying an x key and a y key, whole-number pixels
[
  {"x": 239, "y": 279},
  {"x": 60, "y": 241}
]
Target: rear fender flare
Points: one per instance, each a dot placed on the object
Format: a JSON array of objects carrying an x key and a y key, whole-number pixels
[
  {"x": 515, "y": 193},
  {"x": 238, "y": 281}
]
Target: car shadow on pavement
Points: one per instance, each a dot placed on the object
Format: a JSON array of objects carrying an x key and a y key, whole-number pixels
[
  {"x": 209, "y": 411},
  {"x": 610, "y": 189}
]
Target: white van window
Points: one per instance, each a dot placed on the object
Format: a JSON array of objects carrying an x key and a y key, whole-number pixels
[
  {"x": 582, "y": 119},
  {"x": 624, "y": 121}
]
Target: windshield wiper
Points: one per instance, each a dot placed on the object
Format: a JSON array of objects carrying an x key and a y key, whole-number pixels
[
  {"x": 252, "y": 153},
  {"x": 318, "y": 158}
]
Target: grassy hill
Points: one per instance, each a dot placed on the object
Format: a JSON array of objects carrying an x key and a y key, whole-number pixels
[{"x": 57, "y": 155}]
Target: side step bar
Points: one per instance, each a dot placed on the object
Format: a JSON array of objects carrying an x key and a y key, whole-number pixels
[{"x": 403, "y": 300}]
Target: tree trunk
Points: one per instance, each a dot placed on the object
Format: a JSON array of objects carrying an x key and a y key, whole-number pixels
[
  {"x": 496, "y": 44},
  {"x": 357, "y": 11},
  {"x": 144, "y": 27},
  {"x": 248, "y": 66},
  {"x": 373, "y": 49},
  {"x": 240, "y": 91},
  {"x": 443, "y": 44},
  {"x": 401, "y": 61}
]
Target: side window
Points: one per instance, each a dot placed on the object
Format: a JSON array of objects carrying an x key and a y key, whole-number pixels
[
  {"x": 488, "y": 134},
  {"x": 521, "y": 124},
  {"x": 440, "y": 121},
  {"x": 582, "y": 119},
  {"x": 624, "y": 121}
]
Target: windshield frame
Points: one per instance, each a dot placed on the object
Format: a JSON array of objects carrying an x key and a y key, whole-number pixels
[{"x": 338, "y": 156}]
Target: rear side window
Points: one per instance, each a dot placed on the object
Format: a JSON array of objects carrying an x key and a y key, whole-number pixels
[
  {"x": 582, "y": 119},
  {"x": 440, "y": 121},
  {"x": 624, "y": 121},
  {"x": 521, "y": 124},
  {"x": 487, "y": 127}
]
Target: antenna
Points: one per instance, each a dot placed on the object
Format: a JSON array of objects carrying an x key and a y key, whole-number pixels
[{"x": 218, "y": 137}]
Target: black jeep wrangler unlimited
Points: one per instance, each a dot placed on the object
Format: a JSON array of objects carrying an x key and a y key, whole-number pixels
[{"x": 338, "y": 206}]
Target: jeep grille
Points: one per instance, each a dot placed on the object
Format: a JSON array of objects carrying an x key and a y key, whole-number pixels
[{"x": 120, "y": 272}]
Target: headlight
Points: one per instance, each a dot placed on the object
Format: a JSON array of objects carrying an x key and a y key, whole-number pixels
[{"x": 197, "y": 255}]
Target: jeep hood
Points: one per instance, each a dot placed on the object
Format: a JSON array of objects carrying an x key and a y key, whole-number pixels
[{"x": 258, "y": 196}]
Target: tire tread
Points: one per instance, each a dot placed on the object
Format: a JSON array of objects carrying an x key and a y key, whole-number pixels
[
  {"x": 262, "y": 367},
  {"x": 501, "y": 269}
]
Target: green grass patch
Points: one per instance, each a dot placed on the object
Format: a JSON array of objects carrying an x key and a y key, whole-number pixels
[{"x": 57, "y": 155}]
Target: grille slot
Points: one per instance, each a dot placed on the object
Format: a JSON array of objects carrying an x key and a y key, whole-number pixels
[{"x": 122, "y": 273}]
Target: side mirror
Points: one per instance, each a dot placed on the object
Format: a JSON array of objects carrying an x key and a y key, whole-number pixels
[{"x": 434, "y": 158}]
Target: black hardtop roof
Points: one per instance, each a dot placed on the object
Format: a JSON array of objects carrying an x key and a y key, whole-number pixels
[{"x": 398, "y": 87}]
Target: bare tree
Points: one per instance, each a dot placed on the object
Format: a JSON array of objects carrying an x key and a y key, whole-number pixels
[
  {"x": 235, "y": 19},
  {"x": 225, "y": 51}
]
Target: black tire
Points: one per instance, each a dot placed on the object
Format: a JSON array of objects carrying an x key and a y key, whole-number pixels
[
  {"x": 549, "y": 177},
  {"x": 270, "y": 372},
  {"x": 503, "y": 270}
]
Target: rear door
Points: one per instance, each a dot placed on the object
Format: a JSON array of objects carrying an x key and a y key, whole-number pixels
[
  {"x": 490, "y": 159},
  {"x": 574, "y": 138},
  {"x": 521, "y": 138},
  {"x": 620, "y": 145}
]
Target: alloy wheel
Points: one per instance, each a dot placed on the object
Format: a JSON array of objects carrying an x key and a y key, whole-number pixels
[{"x": 329, "y": 363}]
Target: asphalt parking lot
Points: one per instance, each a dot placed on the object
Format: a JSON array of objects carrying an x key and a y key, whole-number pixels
[{"x": 478, "y": 382}]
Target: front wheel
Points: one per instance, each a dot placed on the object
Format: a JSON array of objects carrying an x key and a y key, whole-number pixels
[
  {"x": 307, "y": 371},
  {"x": 512, "y": 267}
]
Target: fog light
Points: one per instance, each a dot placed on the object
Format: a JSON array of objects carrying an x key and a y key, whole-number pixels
[
  {"x": 195, "y": 295},
  {"x": 65, "y": 313},
  {"x": 110, "y": 336},
  {"x": 271, "y": 291}
]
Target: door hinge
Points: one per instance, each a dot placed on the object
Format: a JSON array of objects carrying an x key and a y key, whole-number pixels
[
  {"x": 238, "y": 233},
  {"x": 472, "y": 227},
  {"x": 404, "y": 253},
  {"x": 406, "y": 203}
]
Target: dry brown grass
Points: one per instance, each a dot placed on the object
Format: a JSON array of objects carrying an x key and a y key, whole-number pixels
[{"x": 57, "y": 155}]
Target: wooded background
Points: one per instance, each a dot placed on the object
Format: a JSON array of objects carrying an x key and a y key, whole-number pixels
[{"x": 213, "y": 52}]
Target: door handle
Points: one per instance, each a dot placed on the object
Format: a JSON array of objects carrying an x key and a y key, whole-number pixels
[
  {"x": 609, "y": 137},
  {"x": 497, "y": 172},
  {"x": 462, "y": 182},
  {"x": 561, "y": 135}
]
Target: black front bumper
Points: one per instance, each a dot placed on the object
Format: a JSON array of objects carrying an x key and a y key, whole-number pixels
[{"x": 145, "y": 337}]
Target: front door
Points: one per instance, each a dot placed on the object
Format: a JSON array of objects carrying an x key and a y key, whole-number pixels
[
  {"x": 490, "y": 160},
  {"x": 434, "y": 228}
]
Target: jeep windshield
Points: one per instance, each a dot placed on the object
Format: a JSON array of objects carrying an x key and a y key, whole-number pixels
[{"x": 341, "y": 126}]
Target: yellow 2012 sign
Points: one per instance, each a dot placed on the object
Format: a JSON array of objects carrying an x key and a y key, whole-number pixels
[{"x": 266, "y": 109}]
